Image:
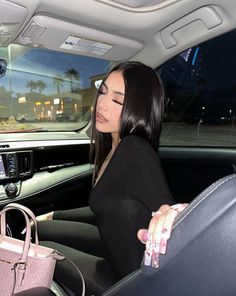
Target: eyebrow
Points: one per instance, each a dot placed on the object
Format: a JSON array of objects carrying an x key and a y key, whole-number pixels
[{"x": 115, "y": 92}]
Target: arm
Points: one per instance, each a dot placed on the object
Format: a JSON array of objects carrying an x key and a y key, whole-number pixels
[
  {"x": 147, "y": 180},
  {"x": 83, "y": 214},
  {"x": 118, "y": 229}
]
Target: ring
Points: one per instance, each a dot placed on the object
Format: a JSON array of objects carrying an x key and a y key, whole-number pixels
[
  {"x": 164, "y": 231},
  {"x": 156, "y": 213},
  {"x": 176, "y": 206}
]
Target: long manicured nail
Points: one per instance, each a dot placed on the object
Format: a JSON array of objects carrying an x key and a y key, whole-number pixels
[
  {"x": 163, "y": 246},
  {"x": 165, "y": 233},
  {"x": 155, "y": 260},
  {"x": 155, "y": 247},
  {"x": 147, "y": 258}
]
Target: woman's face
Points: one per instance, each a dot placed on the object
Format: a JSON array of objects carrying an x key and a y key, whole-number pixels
[{"x": 109, "y": 104}]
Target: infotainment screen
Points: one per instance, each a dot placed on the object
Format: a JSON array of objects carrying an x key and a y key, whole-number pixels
[{"x": 2, "y": 169}]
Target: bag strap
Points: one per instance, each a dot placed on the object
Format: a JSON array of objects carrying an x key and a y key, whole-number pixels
[
  {"x": 21, "y": 263},
  {"x": 31, "y": 215},
  {"x": 80, "y": 274},
  {"x": 27, "y": 235}
]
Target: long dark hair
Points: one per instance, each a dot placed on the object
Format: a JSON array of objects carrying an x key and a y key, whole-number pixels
[{"x": 142, "y": 111}]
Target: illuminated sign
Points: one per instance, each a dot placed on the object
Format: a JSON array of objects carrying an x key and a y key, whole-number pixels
[
  {"x": 56, "y": 101},
  {"x": 22, "y": 100}
]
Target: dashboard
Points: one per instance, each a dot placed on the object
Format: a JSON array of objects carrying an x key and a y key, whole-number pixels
[
  {"x": 28, "y": 171},
  {"x": 16, "y": 165}
]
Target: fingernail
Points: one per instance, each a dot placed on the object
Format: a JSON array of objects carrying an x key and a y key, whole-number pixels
[
  {"x": 149, "y": 246},
  {"x": 163, "y": 246},
  {"x": 165, "y": 233},
  {"x": 147, "y": 258},
  {"x": 155, "y": 260},
  {"x": 156, "y": 247}
]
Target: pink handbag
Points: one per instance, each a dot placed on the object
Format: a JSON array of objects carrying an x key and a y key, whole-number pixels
[{"x": 24, "y": 265}]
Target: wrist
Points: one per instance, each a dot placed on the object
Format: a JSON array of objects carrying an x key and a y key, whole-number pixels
[{"x": 51, "y": 216}]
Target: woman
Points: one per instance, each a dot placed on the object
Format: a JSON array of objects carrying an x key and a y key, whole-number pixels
[{"x": 129, "y": 182}]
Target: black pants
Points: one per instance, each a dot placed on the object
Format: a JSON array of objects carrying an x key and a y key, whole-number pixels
[{"x": 81, "y": 243}]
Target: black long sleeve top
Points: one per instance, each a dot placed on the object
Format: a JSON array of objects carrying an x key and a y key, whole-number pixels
[{"x": 132, "y": 186}]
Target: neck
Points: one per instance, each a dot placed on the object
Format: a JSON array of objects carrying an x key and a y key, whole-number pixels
[{"x": 115, "y": 140}]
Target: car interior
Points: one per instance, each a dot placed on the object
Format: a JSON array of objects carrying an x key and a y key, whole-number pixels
[{"x": 53, "y": 56}]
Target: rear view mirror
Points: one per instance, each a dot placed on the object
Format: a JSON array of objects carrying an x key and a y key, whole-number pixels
[{"x": 3, "y": 67}]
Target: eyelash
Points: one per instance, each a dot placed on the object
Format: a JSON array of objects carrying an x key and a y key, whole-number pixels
[
  {"x": 117, "y": 102},
  {"x": 100, "y": 92}
]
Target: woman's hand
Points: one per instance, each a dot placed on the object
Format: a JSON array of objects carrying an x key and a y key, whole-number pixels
[
  {"x": 44, "y": 217},
  {"x": 158, "y": 232}
]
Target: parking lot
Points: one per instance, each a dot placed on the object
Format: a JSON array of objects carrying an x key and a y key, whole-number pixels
[{"x": 198, "y": 135}]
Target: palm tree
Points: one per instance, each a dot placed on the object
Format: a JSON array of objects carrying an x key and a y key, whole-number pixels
[
  {"x": 41, "y": 85},
  {"x": 32, "y": 85},
  {"x": 58, "y": 83},
  {"x": 72, "y": 74},
  {"x": 5, "y": 97}
]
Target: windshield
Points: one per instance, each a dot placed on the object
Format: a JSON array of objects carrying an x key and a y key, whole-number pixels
[{"x": 44, "y": 90}]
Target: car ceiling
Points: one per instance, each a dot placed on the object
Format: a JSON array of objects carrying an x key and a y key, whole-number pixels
[{"x": 149, "y": 31}]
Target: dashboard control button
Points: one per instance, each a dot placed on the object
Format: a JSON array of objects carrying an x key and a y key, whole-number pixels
[{"x": 11, "y": 190}]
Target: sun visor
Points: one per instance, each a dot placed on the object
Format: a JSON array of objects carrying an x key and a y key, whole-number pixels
[
  {"x": 12, "y": 17},
  {"x": 55, "y": 34}
]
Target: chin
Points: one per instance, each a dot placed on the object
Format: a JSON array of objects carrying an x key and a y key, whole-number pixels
[{"x": 102, "y": 129}]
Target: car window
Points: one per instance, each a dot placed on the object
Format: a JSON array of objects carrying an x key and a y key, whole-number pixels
[
  {"x": 200, "y": 86},
  {"x": 44, "y": 90}
]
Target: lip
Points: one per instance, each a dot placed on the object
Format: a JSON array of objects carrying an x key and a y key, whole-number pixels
[{"x": 100, "y": 118}]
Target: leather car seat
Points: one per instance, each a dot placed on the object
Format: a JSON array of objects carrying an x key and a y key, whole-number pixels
[{"x": 201, "y": 254}]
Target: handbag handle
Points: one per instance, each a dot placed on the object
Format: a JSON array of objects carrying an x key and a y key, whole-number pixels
[
  {"x": 27, "y": 236},
  {"x": 26, "y": 210},
  {"x": 21, "y": 263}
]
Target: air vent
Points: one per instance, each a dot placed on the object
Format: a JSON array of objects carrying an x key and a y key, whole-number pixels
[
  {"x": 3, "y": 146},
  {"x": 25, "y": 163}
]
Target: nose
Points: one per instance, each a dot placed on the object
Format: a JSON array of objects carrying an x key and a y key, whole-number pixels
[{"x": 103, "y": 103}]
